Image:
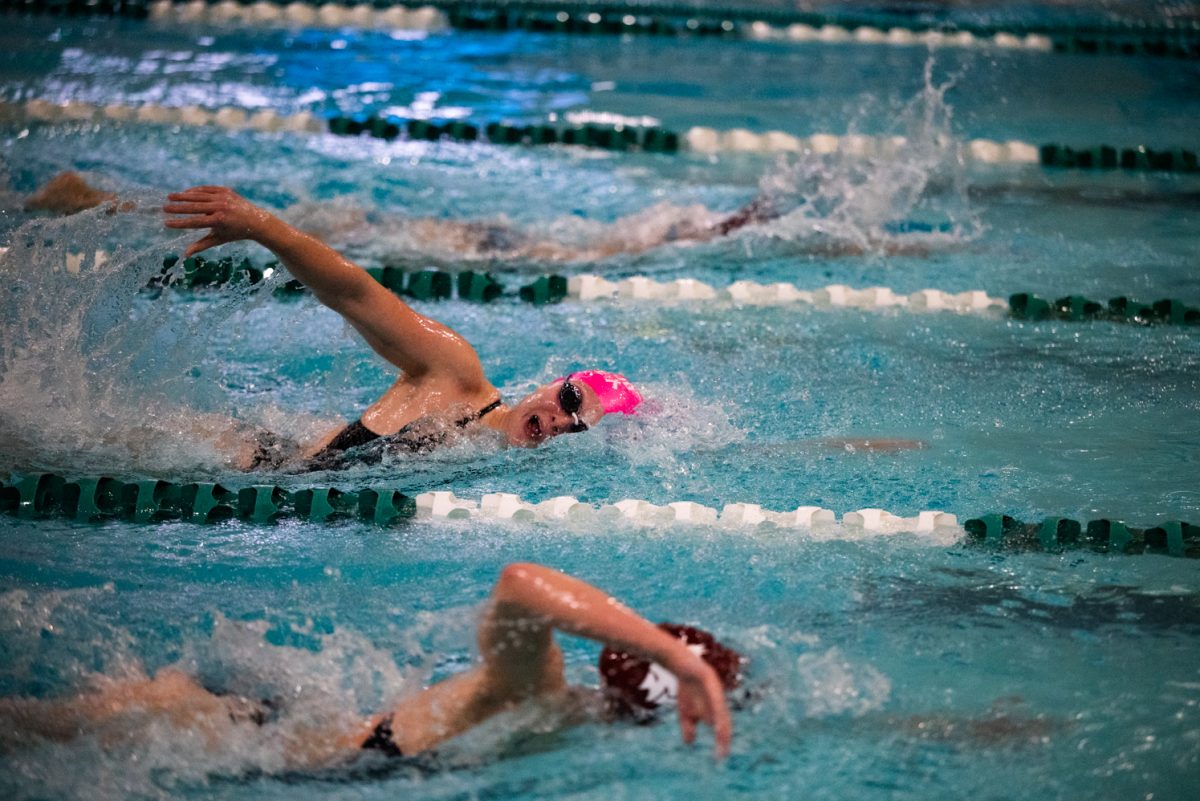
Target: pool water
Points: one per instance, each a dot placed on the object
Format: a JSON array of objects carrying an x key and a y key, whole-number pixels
[{"x": 900, "y": 666}]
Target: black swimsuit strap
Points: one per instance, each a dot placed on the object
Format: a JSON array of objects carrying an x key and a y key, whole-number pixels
[{"x": 479, "y": 415}]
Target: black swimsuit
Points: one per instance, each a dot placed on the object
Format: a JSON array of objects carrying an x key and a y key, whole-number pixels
[
  {"x": 351, "y": 436},
  {"x": 407, "y": 439}
]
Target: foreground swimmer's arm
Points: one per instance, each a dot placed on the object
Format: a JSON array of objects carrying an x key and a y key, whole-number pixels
[
  {"x": 414, "y": 343},
  {"x": 521, "y": 660}
]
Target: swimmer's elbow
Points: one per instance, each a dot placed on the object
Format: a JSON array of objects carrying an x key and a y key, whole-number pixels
[
  {"x": 516, "y": 573},
  {"x": 515, "y": 578}
]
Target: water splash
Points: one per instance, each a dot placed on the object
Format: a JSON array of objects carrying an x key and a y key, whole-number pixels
[
  {"x": 911, "y": 198},
  {"x": 328, "y": 682},
  {"x": 94, "y": 371},
  {"x": 833, "y": 685}
]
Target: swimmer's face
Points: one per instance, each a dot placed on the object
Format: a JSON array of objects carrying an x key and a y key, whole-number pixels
[{"x": 550, "y": 410}]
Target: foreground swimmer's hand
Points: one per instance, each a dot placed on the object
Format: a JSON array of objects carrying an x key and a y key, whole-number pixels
[
  {"x": 530, "y": 601},
  {"x": 701, "y": 699},
  {"x": 228, "y": 215}
]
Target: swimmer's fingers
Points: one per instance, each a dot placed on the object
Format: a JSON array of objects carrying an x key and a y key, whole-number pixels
[
  {"x": 198, "y": 192},
  {"x": 189, "y": 208},
  {"x": 703, "y": 700},
  {"x": 200, "y": 221},
  {"x": 210, "y": 241},
  {"x": 686, "y": 706},
  {"x": 687, "y": 726},
  {"x": 722, "y": 729}
]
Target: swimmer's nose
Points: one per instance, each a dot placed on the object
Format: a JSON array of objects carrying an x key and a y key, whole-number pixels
[{"x": 567, "y": 424}]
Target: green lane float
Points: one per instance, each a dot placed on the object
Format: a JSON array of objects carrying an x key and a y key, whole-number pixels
[
  {"x": 325, "y": 504},
  {"x": 424, "y": 130},
  {"x": 1105, "y": 157},
  {"x": 383, "y": 129},
  {"x": 478, "y": 287},
  {"x": 547, "y": 289},
  {"x": 95, "y": 499},
  {"x": 429, "y": 285},
  {"x": 1133, "y": 311},
  {"x": 1170, "y": 46},
  {"x": 999, "y": 531},
  {"x": 384, "y": 507},
  {"x": 1026, "y": 306}
]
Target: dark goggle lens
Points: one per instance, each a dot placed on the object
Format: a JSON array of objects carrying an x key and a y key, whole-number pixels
[{"x": 570, "y": 398}]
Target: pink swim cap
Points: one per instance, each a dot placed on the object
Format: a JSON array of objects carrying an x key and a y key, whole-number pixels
[{"x": 615, "y": 391}]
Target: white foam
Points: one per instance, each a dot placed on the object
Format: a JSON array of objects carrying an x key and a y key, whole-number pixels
[{"x": 831, "y": 684}]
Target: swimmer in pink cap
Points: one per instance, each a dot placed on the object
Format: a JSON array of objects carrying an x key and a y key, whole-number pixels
[{"x": 441, "y": 390}]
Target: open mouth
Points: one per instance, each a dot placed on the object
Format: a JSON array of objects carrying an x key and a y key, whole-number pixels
[{"x": 533, "y": 427}]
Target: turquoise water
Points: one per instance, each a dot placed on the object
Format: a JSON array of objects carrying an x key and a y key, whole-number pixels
[{"x": 1091, "y": 657}]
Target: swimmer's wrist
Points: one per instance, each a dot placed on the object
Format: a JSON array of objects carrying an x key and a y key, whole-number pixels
[
  {"x": 681, "y": 660},
  {"x": 269, "y": 231}
]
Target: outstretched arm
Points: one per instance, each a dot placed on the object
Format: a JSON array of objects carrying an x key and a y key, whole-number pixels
[
  {"x": 756, "y": 211},
  {"x": 521, "y": 659},
  {"x": 411, "y": 341}
]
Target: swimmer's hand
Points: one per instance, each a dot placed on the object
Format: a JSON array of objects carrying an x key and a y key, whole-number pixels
[
  {"x": 701, "y": 699},
  {"x": 228, "y": 216}
]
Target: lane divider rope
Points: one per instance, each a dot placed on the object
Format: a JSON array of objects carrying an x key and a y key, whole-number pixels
[
  {"x": 616, "y": 136},
  {"x": 363, "y": 15},
  {"x": 200, "y": 273},
  {"x": 1180, "y": 39},
  {"x": 197, "y": 272},
  {"x": 90, "y": 499}
]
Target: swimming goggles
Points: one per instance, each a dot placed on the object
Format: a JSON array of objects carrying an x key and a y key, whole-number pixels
[{"x": 570, "y": 400}]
